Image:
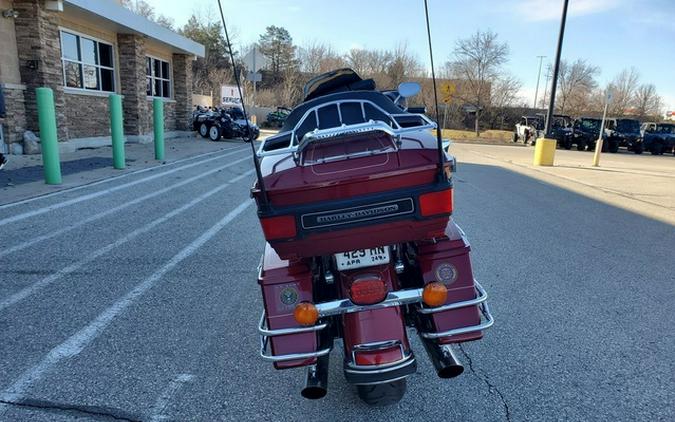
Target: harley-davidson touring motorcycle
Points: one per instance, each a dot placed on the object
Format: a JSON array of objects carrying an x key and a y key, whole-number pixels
[{"x": 355, "y": 198}]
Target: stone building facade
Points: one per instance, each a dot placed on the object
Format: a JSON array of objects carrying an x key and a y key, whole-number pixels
[{"x": 86, "y": 50}]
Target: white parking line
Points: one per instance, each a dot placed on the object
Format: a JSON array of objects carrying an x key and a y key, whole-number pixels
[
  {"x": 110, "y": 179},
  {"x": 78, "y": 341},
  {"x": 167, "y": 395},
  {"x": 65, "y": 229},
  {"x": 27, "y": 291},
  {"x": 93, "y": 195}
]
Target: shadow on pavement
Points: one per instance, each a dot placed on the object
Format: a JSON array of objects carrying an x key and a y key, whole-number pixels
[{"x": 34, "y": 173}]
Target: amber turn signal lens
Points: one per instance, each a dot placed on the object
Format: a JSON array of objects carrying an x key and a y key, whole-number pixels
[
  {"x": 306, "y": 313},
  {"x": 435, "y": 294}
]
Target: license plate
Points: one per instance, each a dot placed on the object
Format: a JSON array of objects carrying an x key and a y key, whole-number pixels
[{"x": 362, "y": 258}]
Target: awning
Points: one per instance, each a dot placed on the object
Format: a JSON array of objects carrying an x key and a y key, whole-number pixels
[{"x": 122, "y": 20}]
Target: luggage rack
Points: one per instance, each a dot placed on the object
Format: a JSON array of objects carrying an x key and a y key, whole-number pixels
[{"x": 398, "y": 124}]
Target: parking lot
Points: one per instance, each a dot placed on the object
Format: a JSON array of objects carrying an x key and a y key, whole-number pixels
[{"x": 136, "y": 298}]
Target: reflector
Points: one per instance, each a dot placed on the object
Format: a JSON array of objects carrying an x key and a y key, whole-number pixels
[
  {"x": 282, "y": 227},
  {"x": 436, "y": 203}
]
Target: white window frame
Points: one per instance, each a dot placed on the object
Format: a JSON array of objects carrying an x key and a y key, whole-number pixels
[
  {"x": 100, "y": 90},
  {"x": 153, "y": 78}
]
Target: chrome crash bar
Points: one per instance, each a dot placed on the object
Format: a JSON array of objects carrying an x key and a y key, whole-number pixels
[
  {"x": 397, "y": 298},
  {"x": 392, "y": 127}
]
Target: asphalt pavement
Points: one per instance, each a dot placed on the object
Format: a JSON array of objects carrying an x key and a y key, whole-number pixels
[{"x": 136, "y": 299}]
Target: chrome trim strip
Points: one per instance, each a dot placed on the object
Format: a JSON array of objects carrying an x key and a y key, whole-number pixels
[
  {"x": 380, "y": 369},
  {"x": 264, "y": 331},
  {"x": 346, "y": 306}
]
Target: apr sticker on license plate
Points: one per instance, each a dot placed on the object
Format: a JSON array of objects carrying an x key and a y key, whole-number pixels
[{"x": 362, "y": 258}]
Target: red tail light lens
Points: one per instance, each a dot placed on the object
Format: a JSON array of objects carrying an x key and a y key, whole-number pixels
[
  {"x": 282, "y": 227},
  {"x": 368, "y": 291},
  {"x": 378, "y": 357},
  {"x": 435, "y": 203}
]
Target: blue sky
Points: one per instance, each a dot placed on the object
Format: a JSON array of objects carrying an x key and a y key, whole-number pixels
[{"x": 612, "y": 34}]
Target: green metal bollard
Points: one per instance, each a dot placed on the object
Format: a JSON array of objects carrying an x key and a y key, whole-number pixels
[
  {"x": 158, "y": 123},
  {"x": 117, "y": 130},
  {"x": 48, "y": 136}
]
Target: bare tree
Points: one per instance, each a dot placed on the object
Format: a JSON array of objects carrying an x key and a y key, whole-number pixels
[
  {"x": 289, "y": 92},
  {"x": 623, "y": 89},
  {"x": 359, "y": 60},
  {"x": 316, "y": 58},
  {"x": 576, "y": 82},
  {"x": 403, "y": 65},
  {"x": 504, "y": 94},
  {"x": 478, "y": 61},
  {"x": 647, "y": 101},
  {"x": 143, "y": 8}
]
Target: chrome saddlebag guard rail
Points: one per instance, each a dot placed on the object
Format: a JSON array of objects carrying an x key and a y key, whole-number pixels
[
  {"x": 266, "y": 333},
  {"x": 396, "y": 298}
]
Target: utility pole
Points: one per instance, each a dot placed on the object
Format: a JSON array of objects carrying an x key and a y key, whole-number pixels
[
  {"x": 548, "y": 78},
  {"x": 544, "y": 151},
  {"x": 536, "y": 91},
  {"x": 556, "y": 69}
]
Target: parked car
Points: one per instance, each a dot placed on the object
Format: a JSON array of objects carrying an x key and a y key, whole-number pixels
[
  {"x": 277, "y": 117},
  {"x": 658, "y": 138},
  {"x": 586, "y": 133},
  {"x": 561, "y": 129},
  {"x": 529, "y": 128},
  {"x": 622, "y": 132}
]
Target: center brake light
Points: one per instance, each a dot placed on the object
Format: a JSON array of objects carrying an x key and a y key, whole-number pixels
[
  {"x": 435, "y": 203},
  {"x": 282, "y": 227},
  {"x": 368, "y": 290}
]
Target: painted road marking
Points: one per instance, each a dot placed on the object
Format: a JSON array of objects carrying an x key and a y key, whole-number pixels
[
  {"x": 33, "y": 288},
  {"x": 52, "y": 234},
  {"x": 78, "y": 341},
  {"x": 110, "y": 179},
  {"x": 167, "y": 395},
  {"x": 93, "y": 195}
]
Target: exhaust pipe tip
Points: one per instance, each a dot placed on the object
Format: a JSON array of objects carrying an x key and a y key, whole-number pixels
[
  {"x": 443, "y": 358},
  {"x": 314, "y": 392},
  {"x": 316, "y": 380},
  {"x": 451, "y": 371}
]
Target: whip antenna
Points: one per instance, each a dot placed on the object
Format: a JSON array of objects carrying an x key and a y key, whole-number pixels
[
  {"x": 439, "y": 138},
  {"x": 256, "y": 163}
]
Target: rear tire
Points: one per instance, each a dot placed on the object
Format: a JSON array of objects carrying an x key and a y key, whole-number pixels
[
  {"x": 613, "y": 147},
  {"x": 656, "y": 149},
  {"x": 581, "y": 145},
  {"x": 382, "y": 394},
  {"x": 637, "y": 149},
  {"x": 214, "y": 133},
  {"x": 515, "y": 137},
  {"x": 204, "y": 130}
]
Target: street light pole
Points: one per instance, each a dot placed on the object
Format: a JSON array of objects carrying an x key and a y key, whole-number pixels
[
  {"x": 556, "y": 69},
  {"x": 599, "y": 142},
  {"x": 544, "y": 149},
  {"x": 536, "y": 91}
]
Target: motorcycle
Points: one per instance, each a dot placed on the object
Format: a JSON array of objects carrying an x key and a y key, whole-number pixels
[
  {"x": 355, "y": 198},
  {"x": 230, "y": 123}
]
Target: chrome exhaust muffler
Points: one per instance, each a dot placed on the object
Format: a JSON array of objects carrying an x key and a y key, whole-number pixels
[
  {"x": 316, "y": 379},
  {"x": 441, "y": 355}
]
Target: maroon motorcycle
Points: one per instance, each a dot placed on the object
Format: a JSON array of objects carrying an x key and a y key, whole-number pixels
[{"x": 354, "y": 197}]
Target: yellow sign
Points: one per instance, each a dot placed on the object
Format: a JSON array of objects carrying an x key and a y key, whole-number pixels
[{"x": 448, "y": 89}]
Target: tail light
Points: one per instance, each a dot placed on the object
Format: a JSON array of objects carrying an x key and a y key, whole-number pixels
[
  {"x": 282, "y": 227},
  {"x": 367, "y": 291},
  {"x": 378, "y": 357},
  {"x": 435, "y": 203}
]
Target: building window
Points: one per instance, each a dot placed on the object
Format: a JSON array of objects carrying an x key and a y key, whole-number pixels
[
  {"x": 158, "y": 78},
  {"x": 87, "y": 64}
]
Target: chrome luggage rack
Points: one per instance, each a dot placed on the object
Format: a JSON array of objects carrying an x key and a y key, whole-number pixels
[
  {"x": 393, "y": 127},
  {"x": 396, "y": 298}
]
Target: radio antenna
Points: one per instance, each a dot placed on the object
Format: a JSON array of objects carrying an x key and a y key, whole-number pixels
[
  {"x": 256, "y": 162},
  {"x": 439, "y": 138}
]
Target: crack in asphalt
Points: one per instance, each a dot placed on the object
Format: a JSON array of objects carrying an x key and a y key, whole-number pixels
[
  {"x": 100, "y": 413},
  {"x": 486, "y": 380}
]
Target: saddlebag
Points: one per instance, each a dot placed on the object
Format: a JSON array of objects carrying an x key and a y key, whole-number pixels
[
  {"x": 447, "y": 261},
  {"x": 285, "y": 284}
]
